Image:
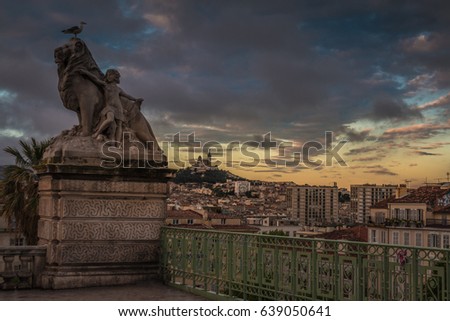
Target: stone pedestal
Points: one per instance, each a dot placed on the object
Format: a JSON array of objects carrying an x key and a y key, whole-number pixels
[{"x": 101, "y": 226}]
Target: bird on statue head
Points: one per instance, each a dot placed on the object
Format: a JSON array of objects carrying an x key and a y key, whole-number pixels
[{"x": 75, "y": 29}]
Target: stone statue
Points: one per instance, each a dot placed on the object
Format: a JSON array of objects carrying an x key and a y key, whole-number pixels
[
  {"x": 104, "y": 110},
  {"x": 77, "y": 92},
  {"x": 113, "y": 117}
]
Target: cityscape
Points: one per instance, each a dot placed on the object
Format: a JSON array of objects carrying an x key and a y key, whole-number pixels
[{"x": 287, "y": 152}]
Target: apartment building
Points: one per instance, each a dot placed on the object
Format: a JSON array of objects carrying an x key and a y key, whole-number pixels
[
  {"x": 363, "y": 197},
  {"x": 418, "y": 218},
  {"x": 312, "y": 205}
]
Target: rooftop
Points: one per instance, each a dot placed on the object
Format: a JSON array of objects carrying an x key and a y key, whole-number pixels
[
  {"x": 384, "y": 203},
  {"x": 424, "y": 194},
  {"x": 355, "y": 233},
  {"x": 184, "y": 214}
]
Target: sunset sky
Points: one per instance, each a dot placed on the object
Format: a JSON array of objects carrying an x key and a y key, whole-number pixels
[{"x": 375, "y": 73}]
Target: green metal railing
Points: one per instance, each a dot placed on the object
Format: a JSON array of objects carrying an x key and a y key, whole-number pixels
[{"x": 224, "y": 265}]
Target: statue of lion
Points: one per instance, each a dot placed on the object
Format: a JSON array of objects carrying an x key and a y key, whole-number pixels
[{"x": 76, "y": 91}]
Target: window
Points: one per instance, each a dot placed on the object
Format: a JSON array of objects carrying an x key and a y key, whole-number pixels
[
  {"x": 420, "y": 214},
  {"x": 175, "y": 222},
  {"x": 223, "y": 221},
  {"x": 433, "y": 240},
  {"x": 373, "y": 236},
  {"x": 408, "y": 214},
  {"x": 383, "y": 236},
  {"x": 395, "y": 237},
  {"x": 446, "y": 241},
  {"x": 418, "y": 239},
  {"x": 406, "y": 238},
  {"x": 379, "y": 217},
  {"x": 190, "y": 221}
]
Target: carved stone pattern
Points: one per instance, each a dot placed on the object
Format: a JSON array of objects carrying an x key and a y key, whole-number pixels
[
  {"x": 109, "y": 253},
  {"x": 118, "y": 187},
  {"x": 113, "y": 208},
  {"x": 111, "y": 230},
  {"x": 55, "y": 225}
]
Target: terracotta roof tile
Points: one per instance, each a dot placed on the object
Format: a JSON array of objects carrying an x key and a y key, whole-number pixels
[
  {"x": 356, "y": 233},
  {"x": 220, "y": 216},
  {"x": 442, "y": 210},
  {"x": 383, "y": 203},
  {"x": 424, "y": 194},
  {"x": 184, "y": 214}
]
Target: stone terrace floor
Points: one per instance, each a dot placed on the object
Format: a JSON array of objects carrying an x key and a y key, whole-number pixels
[{"x": 153, "y": 290}]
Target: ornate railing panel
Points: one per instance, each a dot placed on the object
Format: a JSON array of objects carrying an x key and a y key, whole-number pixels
[
  {"x": 20, "y": 266},
  {"x": 264, "y": 267}
]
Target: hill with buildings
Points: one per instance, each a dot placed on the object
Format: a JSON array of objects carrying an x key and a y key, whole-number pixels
[{"x": 191, "y": 175}]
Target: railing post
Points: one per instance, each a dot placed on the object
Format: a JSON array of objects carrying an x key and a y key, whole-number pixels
[
  {"x": 385, "y": 282},
  {"x": 276, "y": 271},
  {"x": 415, "y": 274},
  {"x": 244, "y": 267},
  {"x": 230, "y": 259},
  {"x": 446, "y": 295},
  {"x": 183, "y": 260},
  {"x": 205, "y": 243},
  {"x": 25, "y": 272},
  {"x": 259, "y": 263},
  {"x": 314, "y": 270},
  {"x": 294, "y": 270},
  {"x": 218, "y": 265},
  {"x": 362, "y": 286},
  {"x": 338, "y": 290},
  {"x": 9, "y": 275}
]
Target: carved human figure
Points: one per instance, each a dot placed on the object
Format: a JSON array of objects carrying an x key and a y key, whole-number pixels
[{"x": 113, "y": 117}]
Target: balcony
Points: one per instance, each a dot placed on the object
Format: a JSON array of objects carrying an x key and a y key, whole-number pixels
[
  {"x": 234, "y": 266},
  {"x": 438, "y": 222}
]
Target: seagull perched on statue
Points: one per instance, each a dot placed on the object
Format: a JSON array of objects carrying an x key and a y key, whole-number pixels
[{"x": 75, "y": 29}]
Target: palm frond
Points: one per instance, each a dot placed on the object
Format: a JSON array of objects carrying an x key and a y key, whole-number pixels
[
  {"x": 20, "y": 187},
  {"x": 19, "y": 159}
]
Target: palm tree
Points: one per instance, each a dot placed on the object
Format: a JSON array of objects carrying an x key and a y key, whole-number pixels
[{"x": 20, "y": 187}]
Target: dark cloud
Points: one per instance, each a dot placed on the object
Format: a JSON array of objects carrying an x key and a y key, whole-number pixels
[
  {"x": 361, "y": 150},
  {"x": 369, "y": 158},
  {"x": 356, "y": 136},
  {"x": 393, "y": 109},
  {"x": 379, "y": 170},
  {"x": 422, "y": 153},
  {"x": 416, "y": 131},
  {"x": 232, "y": 69}
]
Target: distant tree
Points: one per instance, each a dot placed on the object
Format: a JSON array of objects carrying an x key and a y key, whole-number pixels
[
  {"x": 277, "y": 233},
  {"x": 210, "y": 176},
  {"x": 344, "y": 198},
  {"x": 20, "y": 187}
]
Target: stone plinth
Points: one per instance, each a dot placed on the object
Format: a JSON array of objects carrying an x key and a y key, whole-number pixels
[{"x": 101, "y": 226}]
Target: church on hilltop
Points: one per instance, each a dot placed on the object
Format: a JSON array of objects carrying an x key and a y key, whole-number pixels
[{"x": 202, "y": 165}]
